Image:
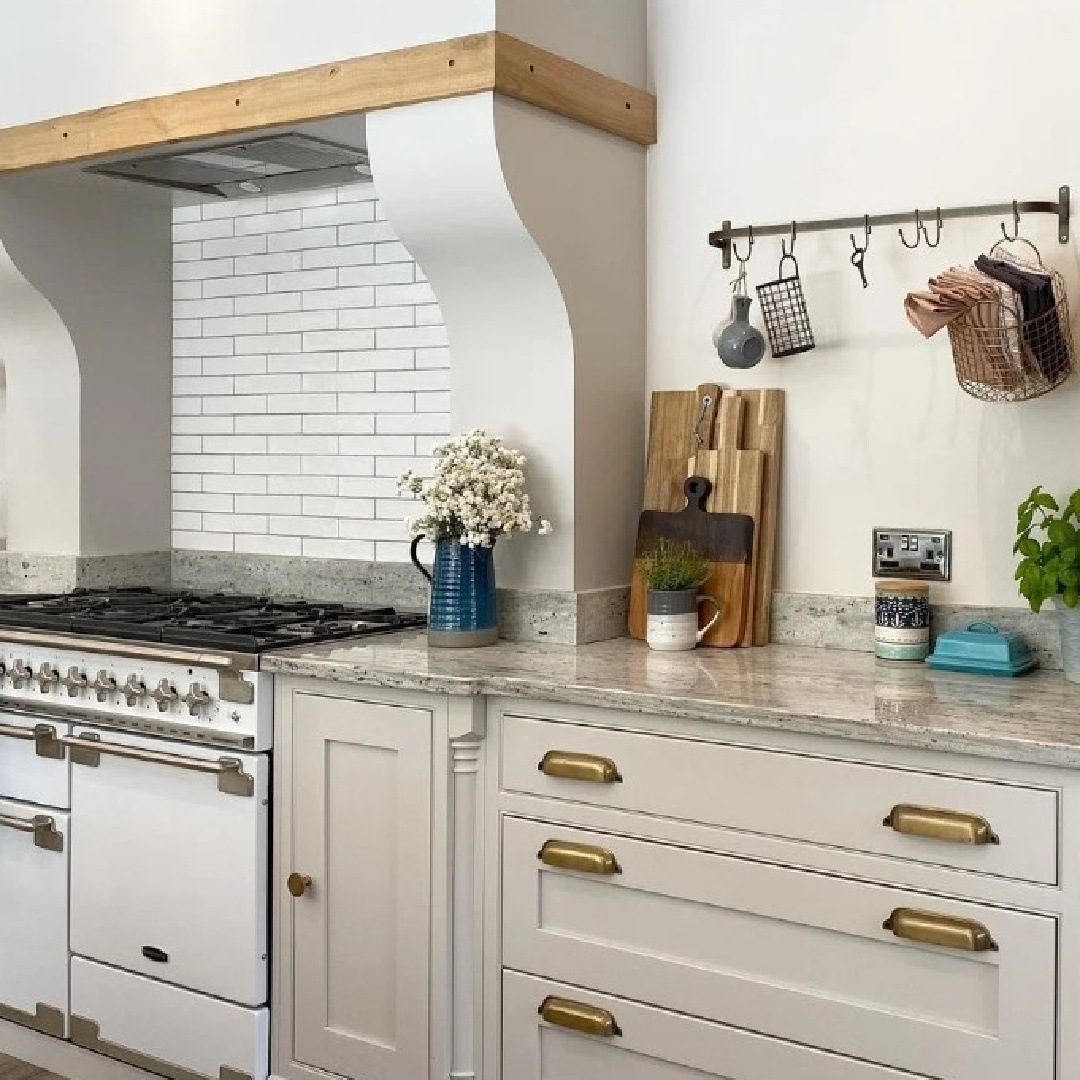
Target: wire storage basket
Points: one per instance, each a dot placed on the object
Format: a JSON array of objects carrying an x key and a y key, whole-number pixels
[
  {"x": 1001, "y": 355},
  {"x": 783, "y": 307}
]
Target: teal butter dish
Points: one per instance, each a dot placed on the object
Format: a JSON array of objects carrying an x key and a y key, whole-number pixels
[{"x": 982, "y": 649}]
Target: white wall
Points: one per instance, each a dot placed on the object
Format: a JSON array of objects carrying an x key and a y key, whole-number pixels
[
  {"x": 310, "y": 369},
  {"x": 775, "y": 109},
  {"x": 62, "y": 56}
]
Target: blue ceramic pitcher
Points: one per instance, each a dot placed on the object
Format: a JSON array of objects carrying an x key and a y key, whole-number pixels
[{"x": 461, "y": 611}]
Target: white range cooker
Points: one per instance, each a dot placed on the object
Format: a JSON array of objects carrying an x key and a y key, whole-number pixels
[{"x": 135, "y": 739}]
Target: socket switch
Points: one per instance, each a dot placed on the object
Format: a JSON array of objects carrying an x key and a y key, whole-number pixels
[{"x": 922, "y": 554}]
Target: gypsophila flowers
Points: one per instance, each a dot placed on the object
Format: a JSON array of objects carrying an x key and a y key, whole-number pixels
[{"x": 476, "y": 495}]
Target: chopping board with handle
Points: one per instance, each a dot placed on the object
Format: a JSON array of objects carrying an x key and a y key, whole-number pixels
[
  {"x": 737, "y": 478},
  {"x": 725, "y": 540},
  {"x": 672, "y": 418}
]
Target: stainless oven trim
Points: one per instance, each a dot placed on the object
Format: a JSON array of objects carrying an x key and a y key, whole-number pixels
[
  {"x": 46, "y": 744},
  {"x": 72, "y": 715},
  {"x": 42, "y": 826},
  {"x": 46, "y": 1018}
]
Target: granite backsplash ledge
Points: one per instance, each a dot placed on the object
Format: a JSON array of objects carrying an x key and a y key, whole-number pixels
[{"x": 565, "y": 618}]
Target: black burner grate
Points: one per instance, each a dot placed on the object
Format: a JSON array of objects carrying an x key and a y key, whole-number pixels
[{"x": 200, "y": 620}]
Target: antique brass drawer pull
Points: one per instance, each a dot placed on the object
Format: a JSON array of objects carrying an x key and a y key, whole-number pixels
[
  {"x": 584, "y": 858},
  {"x": 567, "y": 765},
  {"x": 952, "y": 826},
  {"x": 577, "y": 1016},
  {"x": 948, "y": 931}
]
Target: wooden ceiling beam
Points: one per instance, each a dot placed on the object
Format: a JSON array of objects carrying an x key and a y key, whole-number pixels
[{"x": 444, "y": 69}]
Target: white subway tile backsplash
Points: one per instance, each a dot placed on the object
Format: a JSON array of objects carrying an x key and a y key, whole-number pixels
[
  {"x": 235, "y": 286},
  {"x": 339, "y": 214},
  {"x": 310, "y": 368},
  {"x": 357, "y": 255},
  {"x": 234, "y": 245},
  {"x": 395, "y": 273},
  {"x": 338, "y": 549},
  {"x": 302, "y": 239},
  {"x": 413, "y": 337},
  {"x": 200, "y": 230},
  {"x": 302, "y": 320},
  {"x": 340, "y": 382},
  {"x": 269, "y": 545},
  {"x": 299, "y": 280}
]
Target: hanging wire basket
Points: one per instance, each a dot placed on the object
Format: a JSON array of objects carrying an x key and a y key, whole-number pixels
[
  {"x": 1002, "y": 356},
  {"x": 783, "y": 307}
]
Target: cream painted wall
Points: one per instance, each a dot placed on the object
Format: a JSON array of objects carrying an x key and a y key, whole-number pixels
[
  {"x": 776, "y": 109},
  {"x": 61, "y": 56}
]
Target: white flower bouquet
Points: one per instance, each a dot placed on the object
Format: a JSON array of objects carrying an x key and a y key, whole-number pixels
[{"x": 476, "y": 495}]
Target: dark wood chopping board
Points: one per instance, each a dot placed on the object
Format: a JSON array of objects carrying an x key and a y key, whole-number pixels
[{"x": 726, "y": 540}]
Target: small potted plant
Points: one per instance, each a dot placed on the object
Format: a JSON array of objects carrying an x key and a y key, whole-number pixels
[
  {"x": 1048, "y": 543},
  {"x": 674, "y": 572},
  {"x": 476, "y": 495}
]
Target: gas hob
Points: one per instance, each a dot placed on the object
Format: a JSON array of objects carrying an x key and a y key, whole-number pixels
[{"x": 167, "y": 663}]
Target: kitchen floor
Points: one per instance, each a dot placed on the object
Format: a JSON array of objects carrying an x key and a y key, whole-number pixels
[{"x": 13, "y": 1069}]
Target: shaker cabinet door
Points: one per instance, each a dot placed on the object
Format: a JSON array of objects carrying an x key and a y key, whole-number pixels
[{"x": 352, "y": 887}]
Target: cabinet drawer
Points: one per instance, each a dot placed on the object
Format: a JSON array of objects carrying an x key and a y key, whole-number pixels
[
  {"x": 798, "y": 797},
  {"x": 34, "y": 852},
  {"x": 796, "y": 954},
  {"x": 652, "y": 1044}
]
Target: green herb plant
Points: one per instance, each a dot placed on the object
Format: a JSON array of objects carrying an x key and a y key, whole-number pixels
[
  {"x": 671, "y": 566},
  {"x": 1048, "y": 543}
]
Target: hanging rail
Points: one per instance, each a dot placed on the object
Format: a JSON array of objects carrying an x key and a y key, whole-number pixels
[{"x": 724, "y": 236}]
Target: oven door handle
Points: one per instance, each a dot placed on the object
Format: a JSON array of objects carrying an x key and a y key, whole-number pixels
[
  {"x": 46, "y": 744},
  {"x": 41, "y": 825},
  {"x": 231, "y": 778}
]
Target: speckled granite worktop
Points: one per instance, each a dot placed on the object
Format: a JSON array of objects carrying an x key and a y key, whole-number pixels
[{"x": 1034, "y": 718}]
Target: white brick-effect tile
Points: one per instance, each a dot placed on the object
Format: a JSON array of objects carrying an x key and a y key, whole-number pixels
[{"x": 310, "y": 368}]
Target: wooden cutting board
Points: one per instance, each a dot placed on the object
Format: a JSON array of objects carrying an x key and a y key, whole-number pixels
[
  {"x": 672, "y": 417},
  {"x": 763, "y": 429},
  {"x": 702, "y": 434},
  {"x": 726, "y": 540},
  {"x": 737, "y": 478}
]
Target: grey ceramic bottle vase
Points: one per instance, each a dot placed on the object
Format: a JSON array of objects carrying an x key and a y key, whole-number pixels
[{"x": 740, "y": 345}]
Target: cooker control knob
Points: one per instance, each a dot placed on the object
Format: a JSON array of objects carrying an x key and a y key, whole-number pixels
[
  {"x": 103, "y": 685},
  {"x": 164, "y": 695},
  {"x": 20, "y": 674},
  {"x": 47, "y": 677},
  {"x": 75, "y": 681},
  {"x": 133, "y": 689},
  {"x": 195, "y": 699}
]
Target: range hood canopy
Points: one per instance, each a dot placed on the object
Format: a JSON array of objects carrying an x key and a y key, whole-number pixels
[{"x": 262, "y": 166}]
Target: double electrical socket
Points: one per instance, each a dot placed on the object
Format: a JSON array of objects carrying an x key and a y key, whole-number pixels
[{"x": 922, "y": 554}]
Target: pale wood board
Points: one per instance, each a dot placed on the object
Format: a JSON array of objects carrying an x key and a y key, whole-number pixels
[
  {"x": 763, "y": 429},
  {"x": 466, "y": 65},
  {"x": 671, "y": 420}
]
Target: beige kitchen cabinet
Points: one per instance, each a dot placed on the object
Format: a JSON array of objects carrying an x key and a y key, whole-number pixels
[{"x": 352, "y": 885}]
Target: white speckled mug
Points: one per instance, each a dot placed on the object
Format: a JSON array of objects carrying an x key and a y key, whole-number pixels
[{"x": 673, "y": 619}]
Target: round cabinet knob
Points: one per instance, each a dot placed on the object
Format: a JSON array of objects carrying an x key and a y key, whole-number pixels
[
  {"x": 164, "y": 695},
  {"x": 298, "y": 884},
  {"x": 47, "y": 677},
  {"x": 20, "y": 674},
  {"x": 75, "y": 680},
  {"x": 133, "y": 689},
  {"x": 103, "y": 685}
]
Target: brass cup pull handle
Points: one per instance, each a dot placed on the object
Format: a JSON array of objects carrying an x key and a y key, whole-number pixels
[
  {"x": 568, "y": 765},
  {"x": 577, "y": 1016},
  {"x": 298, "y": 884},
  {"x": 582, "y": 858},
  {"x": 952, "y": 826},
  {"x": 948, "y": 931}
]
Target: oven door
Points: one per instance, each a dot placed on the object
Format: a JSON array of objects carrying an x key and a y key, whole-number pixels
[
  {"x": 169, "y": 856},
  {"x": 34, "y": 847},
  {"x": 33, "y": 761}
]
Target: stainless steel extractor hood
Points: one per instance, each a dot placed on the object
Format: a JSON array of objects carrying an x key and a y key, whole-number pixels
[{"x": 274, "y": 163}]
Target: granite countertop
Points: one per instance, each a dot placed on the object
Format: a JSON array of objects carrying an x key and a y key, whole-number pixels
[{"x": 1034, "y": 718}]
